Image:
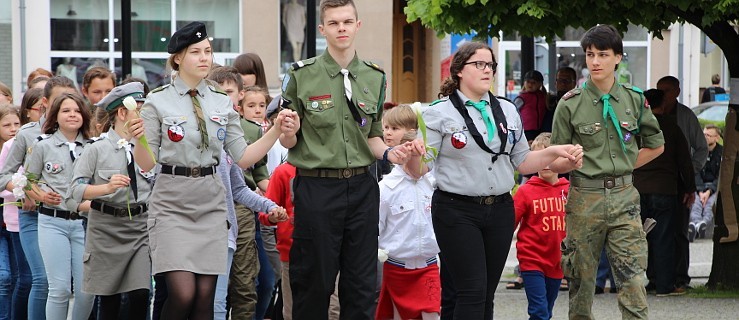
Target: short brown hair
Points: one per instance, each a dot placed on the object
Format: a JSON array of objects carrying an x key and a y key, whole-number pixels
[
  {"x": 260, "y": 90},
  {"x": 6, "y": 109},
  {"x": 51, "y": 124},
  {"x": 39, "y": 72},
  {"x": 225, "y": 74},
  {"x": 542, "y": 141},
  {"x": 58, "y": 81},
  {"x": 464, "y": 52},
  {"x": 330, "y": 4},
  {"x": 97, "y": 73},
  {"x": 715, "y": 79},
  {"x": 715, "y": 128}
]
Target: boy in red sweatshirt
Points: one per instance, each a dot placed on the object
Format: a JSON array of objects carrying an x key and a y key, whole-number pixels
[{"x": 540, "y": 209}]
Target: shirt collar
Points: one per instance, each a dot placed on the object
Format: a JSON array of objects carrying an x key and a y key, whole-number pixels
[
  {"x": 397, "y": 175},
  {"x": 60, "y": 139},
  {"x": 182, "y": 88},
  {"x": 334, "y": 69},
  {"x": 485, "y": 97},
  {"x": 113, "y": 138},
  {"x": 617, "y": 91}
]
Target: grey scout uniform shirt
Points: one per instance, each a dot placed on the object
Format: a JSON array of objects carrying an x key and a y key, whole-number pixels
[
  {"x": 462, "y": 167},
  {"x": 101, "y": 160},
  {"x": 25, "y": 139},
  {"x": 50, "y": 160},
  {"x": 169, "y": 115}
]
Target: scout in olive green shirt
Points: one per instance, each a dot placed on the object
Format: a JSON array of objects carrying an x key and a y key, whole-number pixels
[
  {"x": 329, "y": 135},
  {"x": 579, "y": 119},
  {"x": 258, "y": 172}
]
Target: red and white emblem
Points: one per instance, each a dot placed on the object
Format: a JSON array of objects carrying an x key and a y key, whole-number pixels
[
  {"x": 176, "y": 133},
  {"x": 459, "y": 140}
]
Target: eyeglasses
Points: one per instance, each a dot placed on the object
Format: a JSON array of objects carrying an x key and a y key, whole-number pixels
[
  {"x": 708, "y": 135},
  {"x": 482, "y": 64}
]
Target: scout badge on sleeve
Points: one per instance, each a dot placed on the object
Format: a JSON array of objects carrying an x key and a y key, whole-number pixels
[{"x": 176, "y": 133}]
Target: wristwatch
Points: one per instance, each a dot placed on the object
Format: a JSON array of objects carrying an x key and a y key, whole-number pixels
[{"x": 384, "y": 155}]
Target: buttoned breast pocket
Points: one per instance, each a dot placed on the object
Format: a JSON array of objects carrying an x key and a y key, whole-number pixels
[
  {"x": 217, "y": 122},
  {"x": 591, "y": 134},
  {"x": 106, "y": 174},
  {"x": 405, "y": 206},
  {"x": 173, "y": 127},
  {"x": 629, "y": 130},
  {"x": 320, "y": 113}
]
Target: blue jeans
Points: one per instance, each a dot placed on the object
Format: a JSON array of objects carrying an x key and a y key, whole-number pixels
[
  {"x": 6, "y": 278},
  {"x": 265, "y": 280},
  {"x": 219, "y": 305},
  {"x": 21, "y": 278},
  {"x": 62, "y": 244},
  {"x": 541, "y": 293},
  {"x": 661, "y": 240},
  {"x": 28, "y": 221},
  {"x": 604, "y": 271}
]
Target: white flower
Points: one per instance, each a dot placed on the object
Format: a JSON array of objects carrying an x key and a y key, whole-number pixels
[
  {"x": 382, "y": 255},
  {"x": 19, "y": 180},
  {"x": 19, "y": 193},
  {"x": 122, "y": 143},
  {"x": 416, "y": 106},
  {"x": 130, "y": 103}
]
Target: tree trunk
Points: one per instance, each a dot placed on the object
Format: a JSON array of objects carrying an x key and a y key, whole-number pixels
[{"x": 725, "y": 266}]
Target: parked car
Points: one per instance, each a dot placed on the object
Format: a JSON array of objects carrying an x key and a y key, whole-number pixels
[{"x": 712, "y": 111}]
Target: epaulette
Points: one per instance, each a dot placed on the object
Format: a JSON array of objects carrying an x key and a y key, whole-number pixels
[
  {"x": 159, "y": 89},
  {"x": 438, "y": 101},
  {"x": 632, "y": 88},
  {"x": 96, "y": 139},
  {"x": 374, "y": 66},
  {"x": 42, "y": 137},
  {"x": 303, "y": 63},
  {"x": 29, "y": 125},
  {"x": 504, "y": 98},
  {"x": 216, "y": 90},
  {"x": 571, "y": 93}
]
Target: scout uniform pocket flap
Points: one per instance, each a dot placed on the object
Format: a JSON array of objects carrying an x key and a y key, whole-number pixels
[
  {"x": 320, "y": 105},
  {"x": 590, "y": 128},
  {"x": 368, "y": 107},
  {"x": 106, "y": 174},
  {"x": 173, "y": 121},
  {"x": 404, "y": 206},
  {"x": 220, "y": 118}
]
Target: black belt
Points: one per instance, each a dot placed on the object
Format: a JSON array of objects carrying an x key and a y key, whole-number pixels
[
  {"x": 333, "y": 173},
  {"x": 602, "y": 183},
  {"x": 63, "y": 214},
  {"x": 115, "y": 211},
  {"x": 188, "y": 172},
  {"x": 484, "y": 200}
]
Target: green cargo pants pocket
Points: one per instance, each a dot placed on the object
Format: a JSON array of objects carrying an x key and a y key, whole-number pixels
[{"x": 568, "y": 257}]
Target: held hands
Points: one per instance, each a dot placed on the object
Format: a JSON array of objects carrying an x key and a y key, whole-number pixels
[
  {"x": 288, "y": 122},
  {"x": 277, "y": 214},
  {"x": 704, "y": 196},
  {"x": 573, "y": 153},
  {"x": 118, "y": 181},
  {"x": 51, "y": 198},
  {"x": 29, "y": 204}
]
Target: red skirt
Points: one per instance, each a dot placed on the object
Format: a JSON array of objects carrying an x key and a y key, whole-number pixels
[{"x": 412, "y": 291}]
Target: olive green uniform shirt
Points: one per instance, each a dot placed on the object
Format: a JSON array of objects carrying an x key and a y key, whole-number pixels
[
  {"x": 257, "y": 172},
  {"x": 329, "y": 136},
  {"x": 578, "y": 119}
]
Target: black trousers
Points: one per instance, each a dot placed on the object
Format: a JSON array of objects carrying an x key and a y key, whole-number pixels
[
  {"x": 682, "y": 243},
  {"x": 335, "y": 229},
  {"x": 474, "y": 240},
  {"x": 661, "y": 240}
]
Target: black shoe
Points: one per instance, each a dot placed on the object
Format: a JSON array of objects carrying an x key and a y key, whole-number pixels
[
  {"x": 651, "y": 288},
  {"x": 702, "y": 227},
  {"x": 599, "y": 290},
  {"x": 691, "y": 232},
  {"x": 613, "y": 290}
]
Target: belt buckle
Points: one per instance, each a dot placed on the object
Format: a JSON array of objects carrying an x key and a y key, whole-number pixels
[
  {"x": 609, "y": 182},
  {"x": 489, "y": 200},
  {"x": 195, "y": 172},
  {"x": 346, "y": 173},
  {"x": 74, "y": 215}
]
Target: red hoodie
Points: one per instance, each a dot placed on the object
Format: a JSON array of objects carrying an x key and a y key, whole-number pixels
[
  {"x": 540, "y": 208},
  {"x": 280, "y": 191}
]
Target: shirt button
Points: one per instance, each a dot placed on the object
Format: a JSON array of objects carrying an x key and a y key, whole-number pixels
[
  {"x": 480, "y": 118},
  {"x": 491, "y": 188},
  {"x": 350, "y": 162},
  {"x": 613, "y": 156},
  {"x": 484, "y": 132},
  {"x": 611, "y": 136},
  {"x": 490, "y": 169},
  {"x": 346, "y": 140},
  {"x": 346, "y": 117}
]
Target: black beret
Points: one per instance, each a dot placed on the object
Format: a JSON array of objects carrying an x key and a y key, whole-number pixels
[{"x": 193, "y": 32}]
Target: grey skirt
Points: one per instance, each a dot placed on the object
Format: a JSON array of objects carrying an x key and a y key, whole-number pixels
[
  {"x": 116, "y": 256},
  {"x": 187, "y": 225}
]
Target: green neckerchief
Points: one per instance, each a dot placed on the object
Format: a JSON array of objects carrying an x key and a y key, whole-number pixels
[
  {"x": 609, "y": 113},
  {"x": 480, "y": 106}
]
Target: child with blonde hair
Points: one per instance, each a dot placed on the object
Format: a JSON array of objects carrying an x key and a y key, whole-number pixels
[{"x": 411, "y": 288}]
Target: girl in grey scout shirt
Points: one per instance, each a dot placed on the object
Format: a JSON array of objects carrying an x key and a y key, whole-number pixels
[
  {"x": 60, "y": 233},
  {"x": 187, "y": 124},
  {"x": 473, "y": 222},
  {"x": 116, "y": 258}
]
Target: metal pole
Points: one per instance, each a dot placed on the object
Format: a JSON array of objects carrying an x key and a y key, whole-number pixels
[
  {"x": 527, "y": 56},
  {"x": 126, "y": 38},
  {"x": 310, "y": 28}
]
